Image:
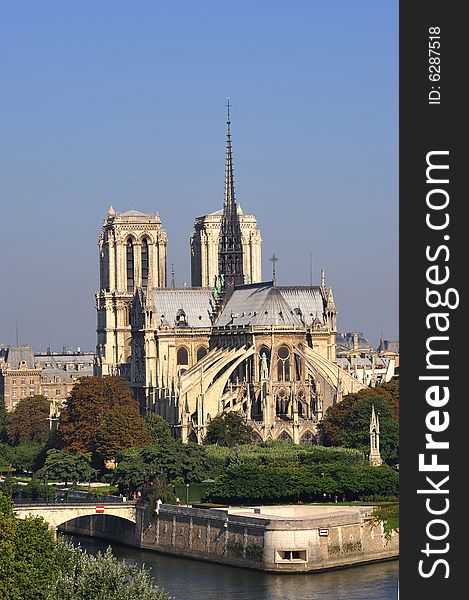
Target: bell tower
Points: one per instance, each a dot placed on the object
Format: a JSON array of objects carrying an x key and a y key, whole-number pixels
[{"x": 132, "y": 255}]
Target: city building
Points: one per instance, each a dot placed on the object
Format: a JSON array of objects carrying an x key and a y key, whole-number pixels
[
  {"x": 53, "y": 375},
  {"x": 356, "y": 356}
]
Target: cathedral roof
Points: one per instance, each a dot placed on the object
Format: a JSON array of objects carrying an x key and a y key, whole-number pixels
[
  {"x": 195, "y": 304},
  {"x": 265, "y": 304},
  {"x": 307, "y": 299}
]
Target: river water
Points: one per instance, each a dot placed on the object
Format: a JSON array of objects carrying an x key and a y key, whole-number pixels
[{"x": 187, "y": 579}]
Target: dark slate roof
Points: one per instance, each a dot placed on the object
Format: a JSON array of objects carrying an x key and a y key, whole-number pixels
[
  {"x": 263, "y": 304},
  {"x": 345, "y": 340},
  {"x": 16, "y": 355},
  {"x": 196, "y": 303}
]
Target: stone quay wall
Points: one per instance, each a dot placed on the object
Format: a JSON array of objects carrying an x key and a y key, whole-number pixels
[{"x": 277, "y": 538}]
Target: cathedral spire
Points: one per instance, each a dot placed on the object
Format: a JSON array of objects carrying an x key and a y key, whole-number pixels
[
  {"x": 229, "y": 180},
  {"x": 230, "y": 252}
]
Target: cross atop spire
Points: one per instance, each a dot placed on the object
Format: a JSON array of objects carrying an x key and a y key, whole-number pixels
[{"x": 273, "y": 259}]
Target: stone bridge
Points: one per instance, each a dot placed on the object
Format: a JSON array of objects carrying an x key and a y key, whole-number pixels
[{"x": 58, "y": 514}]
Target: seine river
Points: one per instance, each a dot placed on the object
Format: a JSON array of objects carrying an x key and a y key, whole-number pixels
[{"x": 196, "y": 580}]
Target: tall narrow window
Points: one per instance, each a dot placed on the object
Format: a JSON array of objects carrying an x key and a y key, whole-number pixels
[
  {"x": 182, "y": 356},
  {"x": 144, "y": 263},
  {"x": 283, "y": 364},
  {"x": 201, "y": 352},
  {"x": 130, "y": 265},
  {"x": 105, "y": 267}
]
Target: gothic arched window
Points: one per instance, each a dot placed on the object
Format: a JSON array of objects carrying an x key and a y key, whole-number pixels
[
  {"x": 144, "y": 263},
  {"x": 201, "y": 352},
  {"x": 105, "y": 267},
  {"x": 283, "y": 364},
  {"x": 130, "y": 265},
  {"x": 182, "y": 356}
]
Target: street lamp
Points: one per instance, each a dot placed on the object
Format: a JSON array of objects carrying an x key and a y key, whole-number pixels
[{"x": 187, "y": 494}]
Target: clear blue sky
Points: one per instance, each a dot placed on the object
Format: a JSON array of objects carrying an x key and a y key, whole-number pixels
[{"x": 123, "y": 103}]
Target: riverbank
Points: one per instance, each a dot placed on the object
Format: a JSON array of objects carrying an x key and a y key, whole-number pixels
[
  {"x": 194, "y": 580},
  {"x": 289, "y": 538}
]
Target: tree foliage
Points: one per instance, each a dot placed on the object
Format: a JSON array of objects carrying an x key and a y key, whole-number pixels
[
  {"x": 61, "y": 465},
  {"x": 229, "y": 429},
  {"x": 101, "y": 417},
  {"x": 27, "y": 556},
  {"x": 3, "y": 419},
  {"x": 37, "y": 489},
  {"x": 101, "y": 577},
  {"x": 29, "y": 421},
  {"x": 137, "y": 466},
  {"x": 159, "y": 429},
  {"x": 308, "y": 483},
  {"x": 120, "y": 429},
  {"x": 28, "y": 456},
  {"x": 348, "y": 422}
]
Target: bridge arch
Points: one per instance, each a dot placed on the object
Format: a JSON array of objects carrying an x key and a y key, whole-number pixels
[{"x": 57, "y": 515}]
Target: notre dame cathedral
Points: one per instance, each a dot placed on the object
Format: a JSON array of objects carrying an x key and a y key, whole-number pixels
[{"x": 231, "y": 342}]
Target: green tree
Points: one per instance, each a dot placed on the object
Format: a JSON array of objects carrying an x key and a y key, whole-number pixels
[
  {"x": 101, "y": 577},
  {"x": 29, "y": 421},
  {"x": 67, "y": 466},
  {"x": 97, "y": 408},
  {"x": 28, "y": 560},
  {"x": 131, "y": 472},
  {"x": 28, "y": 456},
  {"x": 348, "y": 422},
  {"x": 392, "y": 387},
  {"x": 3, "y": 418},
  {"x": 159, "y": 490},
  {"x": 310, "y": 483},
  {"x": 229, "y": 429},
  {"x": 9, "y": 487},
  {"x": 37, "y": 489},
  {"x": 159, "y": 429},
  {"x": 194, "y": 466}
]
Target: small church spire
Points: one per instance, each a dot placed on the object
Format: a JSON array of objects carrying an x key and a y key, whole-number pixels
[{"x": 375, "y": 456}]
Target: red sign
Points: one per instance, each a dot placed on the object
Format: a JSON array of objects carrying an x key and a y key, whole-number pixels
[{"x": 100, "y": 509}]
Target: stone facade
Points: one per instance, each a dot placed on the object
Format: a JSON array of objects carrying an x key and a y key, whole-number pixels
[
  {"x": 205, "y": 243},
  {"x": 132, "y": 250},
  {"x": 265, "y": 351},
  {"x": 284, "y": 539}
]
